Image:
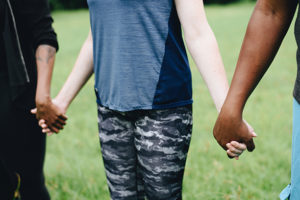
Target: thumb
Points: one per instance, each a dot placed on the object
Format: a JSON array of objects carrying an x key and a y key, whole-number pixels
[
  {"x": 33, "y": 111},
  {"x": 250, "y": 129}
]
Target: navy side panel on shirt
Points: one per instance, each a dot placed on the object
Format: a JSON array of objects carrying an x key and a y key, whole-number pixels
[
  {"x": 174, "y": 87},
  {"x": 139, "y": 56}
]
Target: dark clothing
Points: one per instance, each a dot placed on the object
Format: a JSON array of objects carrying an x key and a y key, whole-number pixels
[
  {"x": 2, "y": 54},
  {"x": 297, "y": 35},
  {"x": 2, "y": 57},
  {"x": 22, "y": 147},
  {"x": 24, "y": 25},
  {"x": 27, "y": 24},
  {"x": 8, "y": 181}
]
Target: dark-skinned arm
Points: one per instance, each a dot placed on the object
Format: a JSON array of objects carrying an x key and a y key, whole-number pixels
[
  {"x": 81, "y": 72},
  {"x": 53, "y": 115},
  {"x": 37, "y": 19},
  {"x": 268, "y": 25}
]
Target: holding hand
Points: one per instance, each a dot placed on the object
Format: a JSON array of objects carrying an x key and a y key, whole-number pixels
[
  {"x": 233, "y": 134},
  {"x": 51, "y": 116},
  {"x": 235, "y": 149}
]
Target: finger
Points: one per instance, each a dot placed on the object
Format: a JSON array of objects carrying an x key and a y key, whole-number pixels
[
  {"x": 49, "y": 134},
  {"x": 57, "y": 126},
  {"x": 237, "y": 145},
  {"x": 33, "y": 111},
  {"x": 231, "y": 155},
  {"x": 233, "y": 149},
  {"x": 250, "y": 128},
  {"x": 60, "y": 121},
  {"x": 46, "y": 130},
  {"x": 42, "y": 121},
  {"x": 63, "y": 117},
  {"x": 53, "y": 129},
  {"x": 250, "y": 145},
  {"x": 44, "y": 126}
]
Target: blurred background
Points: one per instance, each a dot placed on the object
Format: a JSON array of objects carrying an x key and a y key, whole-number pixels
[{"x": 74, "y": 169}]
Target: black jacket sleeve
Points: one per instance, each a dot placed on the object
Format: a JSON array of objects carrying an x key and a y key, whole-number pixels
[{"x": 36, "y": 15}]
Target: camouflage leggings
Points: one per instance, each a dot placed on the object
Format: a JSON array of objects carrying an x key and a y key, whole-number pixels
[{"x": 144, "y": 152}]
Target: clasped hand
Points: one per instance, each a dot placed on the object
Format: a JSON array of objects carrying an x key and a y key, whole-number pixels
[
  {"x": 233, "y": 134},
  {"x": 51, "y": 116}
]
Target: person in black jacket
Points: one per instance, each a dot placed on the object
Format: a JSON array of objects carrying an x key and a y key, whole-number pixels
[{"x": 28, "y": 46}]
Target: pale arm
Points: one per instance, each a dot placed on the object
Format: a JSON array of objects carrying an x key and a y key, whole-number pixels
[
  {"x": 203, "y": 47},
  {"x": 82, "y": 71}
]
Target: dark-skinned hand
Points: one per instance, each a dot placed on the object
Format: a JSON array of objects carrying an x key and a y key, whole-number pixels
[
  {"x": 229, "y": 127},
  {"x": 51, "y": 114}
]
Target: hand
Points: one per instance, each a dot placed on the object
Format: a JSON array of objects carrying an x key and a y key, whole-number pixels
[
  {"x": 230, "y": 127},
  {"x": 52, "y": 114},
  {"x": 235, "y": 149}
]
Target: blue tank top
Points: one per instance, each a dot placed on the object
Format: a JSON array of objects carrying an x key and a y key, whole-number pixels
[{"x": 140, "y": 60}]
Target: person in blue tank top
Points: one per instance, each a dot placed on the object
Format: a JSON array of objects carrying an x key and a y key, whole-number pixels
[{"x": 144, "y": 90}]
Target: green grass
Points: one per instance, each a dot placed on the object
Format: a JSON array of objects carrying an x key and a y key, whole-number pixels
[{"x": 74, "y": 168}]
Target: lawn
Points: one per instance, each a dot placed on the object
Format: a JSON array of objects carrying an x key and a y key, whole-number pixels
[{"x": 74, "y": 169}]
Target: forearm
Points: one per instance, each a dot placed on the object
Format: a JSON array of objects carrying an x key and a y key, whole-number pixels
[
  {"x": 45, "y": 57},
  {"x": 82, "y": 71},
  {"x": 205, "y": 52},
  {"x": 266, "y": 30},
  {"x": 203, "y": 47}
]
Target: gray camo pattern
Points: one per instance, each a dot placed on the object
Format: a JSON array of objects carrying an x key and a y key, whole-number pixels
[{"x": 144, "y": 152}]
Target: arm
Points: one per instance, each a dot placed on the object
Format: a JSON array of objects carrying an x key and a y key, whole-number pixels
[
  {"x": 82, "y": 71},
  {"x": 45, "y": 57},
  {"x": 203, "y": 47},
  {"x": 266, "y": 30},
  {"x": 36, "y": 17}
]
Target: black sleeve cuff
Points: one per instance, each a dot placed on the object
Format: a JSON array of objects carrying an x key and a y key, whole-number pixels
[{"x": 47, "y": 41}]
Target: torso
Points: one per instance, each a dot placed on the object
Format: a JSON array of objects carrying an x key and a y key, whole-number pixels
[{"x": 139, "y": 55}]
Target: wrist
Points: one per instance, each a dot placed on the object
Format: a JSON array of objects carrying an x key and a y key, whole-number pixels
[
  {"x": 61, "y": 102},
  {"x": 232, "y": 110},
  {"x": 42, "y": 99}
]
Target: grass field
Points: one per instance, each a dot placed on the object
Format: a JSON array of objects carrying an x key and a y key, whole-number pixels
[{"x": 74, "y": 168}]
